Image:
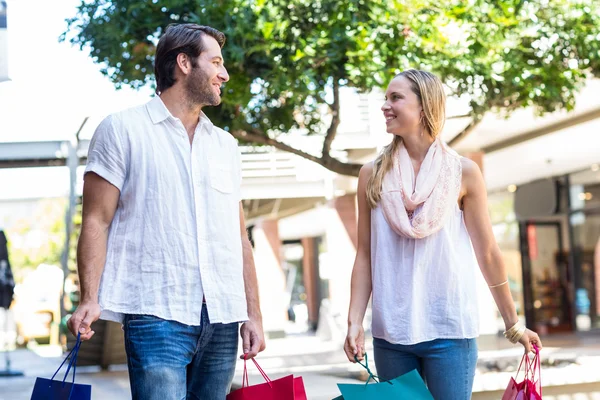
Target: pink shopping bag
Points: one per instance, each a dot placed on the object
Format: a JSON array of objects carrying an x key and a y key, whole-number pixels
[
  {"x": 286, "y": 388},
  {"x": 531, "y": 387}
]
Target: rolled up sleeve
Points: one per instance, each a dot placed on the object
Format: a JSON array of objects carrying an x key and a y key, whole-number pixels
[{"x": 107, "y": 156}]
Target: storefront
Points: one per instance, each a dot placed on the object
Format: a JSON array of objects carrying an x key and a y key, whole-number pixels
[
  {"x": 549, "y": 234},
  {"x": 584, "y": 217}
]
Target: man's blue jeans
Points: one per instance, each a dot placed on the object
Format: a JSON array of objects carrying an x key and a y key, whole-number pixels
[
  {"x": 446, "y": 365},
  {"x": 169, "y": 360}
]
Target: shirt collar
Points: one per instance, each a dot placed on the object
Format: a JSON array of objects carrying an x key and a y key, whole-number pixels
[
  {"x": 159, "y": 112},
  {"x": 205, "y": 120}
]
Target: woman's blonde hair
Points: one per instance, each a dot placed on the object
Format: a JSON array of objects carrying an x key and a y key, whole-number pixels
[{"x": 430, "y": 92}]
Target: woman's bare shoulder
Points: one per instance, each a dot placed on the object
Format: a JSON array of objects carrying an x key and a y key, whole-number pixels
[
  {"x": 470, "y": 169},
  {"x": 472, "y": 177},
  {"x": 366, "y": 170}
]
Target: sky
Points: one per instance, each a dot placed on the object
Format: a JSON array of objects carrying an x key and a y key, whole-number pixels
[{"x": 53, "y": 87}]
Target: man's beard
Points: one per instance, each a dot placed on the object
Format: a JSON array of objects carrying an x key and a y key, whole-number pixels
[{"x": 199, "y": 89}]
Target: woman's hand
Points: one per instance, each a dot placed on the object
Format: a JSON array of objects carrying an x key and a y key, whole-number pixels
[
  {"x": 530, "y": 338},
  {"x": 355, "y": 343}
]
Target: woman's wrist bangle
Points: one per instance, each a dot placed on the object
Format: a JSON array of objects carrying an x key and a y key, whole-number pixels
[
  {"x": 515, "y": 332},
  {"x": 498, "y": 285}
]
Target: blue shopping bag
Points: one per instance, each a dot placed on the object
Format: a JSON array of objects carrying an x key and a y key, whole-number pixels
[
  {"x": 49, "y": 389},
  {"x": 409, "y": 386}
]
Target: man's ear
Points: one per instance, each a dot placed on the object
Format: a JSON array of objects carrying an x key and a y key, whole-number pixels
[{"x": 184, "y": 63}]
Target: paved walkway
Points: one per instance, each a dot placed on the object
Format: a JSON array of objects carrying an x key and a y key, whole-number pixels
[{"x": 571, "y": 369}]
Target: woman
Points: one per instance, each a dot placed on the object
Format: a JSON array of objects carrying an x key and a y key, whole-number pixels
[{"x": 422, "y": 211}]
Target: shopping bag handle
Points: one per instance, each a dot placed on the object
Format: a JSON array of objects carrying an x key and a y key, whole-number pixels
[
  {"x": 366, "y": 366},
  {"x": 532, "y": 366},
  {"x": 245, "y": 381},
  {"x": 537, "y": 365},
  {"x": 72, "y": 363},
  {"x": 527, "y": 370},
  {"x": 524, "y": 359}
]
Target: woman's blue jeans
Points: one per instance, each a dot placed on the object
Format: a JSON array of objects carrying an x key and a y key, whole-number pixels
[
  {"x": 169, "y": 360},
  {"x": 446, "y": 365}
]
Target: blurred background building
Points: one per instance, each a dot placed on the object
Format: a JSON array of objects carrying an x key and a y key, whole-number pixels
[
  {"x": 543, "y": 180},
  {"x": 542, "y": 175}
]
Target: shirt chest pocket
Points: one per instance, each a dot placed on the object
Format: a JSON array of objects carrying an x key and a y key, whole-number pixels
[{"x": 221, "y": 177}]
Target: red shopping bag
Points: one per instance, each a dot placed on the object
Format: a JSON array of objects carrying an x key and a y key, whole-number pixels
[
  {"x": 286, "y": 388},
  {"x": 531, "y": 387}
]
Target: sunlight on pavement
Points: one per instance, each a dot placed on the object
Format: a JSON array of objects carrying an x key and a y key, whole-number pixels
[
  {"x": 47, "y": 350},
  {"x": 575, "y": 396}
]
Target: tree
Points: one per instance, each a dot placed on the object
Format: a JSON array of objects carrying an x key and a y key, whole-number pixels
[
  {"x": 288, "y": 58},
  {"x": 38, "y": 239}
]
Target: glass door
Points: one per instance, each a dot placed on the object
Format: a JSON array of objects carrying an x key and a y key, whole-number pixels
[
  {"x": 586, "y": 238},
  {"x": 546, "y": 278}
]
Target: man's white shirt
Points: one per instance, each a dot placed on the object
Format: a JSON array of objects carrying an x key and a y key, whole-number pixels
[{"x": 175, "y": 236}]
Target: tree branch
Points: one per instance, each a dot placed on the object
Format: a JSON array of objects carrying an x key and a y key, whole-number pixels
[
  {"x": 332, "y": 164},
  {"x": 459, "y": 116},
  {"x": 259, "y": 138},
  {"x": 335, "y": 120}
]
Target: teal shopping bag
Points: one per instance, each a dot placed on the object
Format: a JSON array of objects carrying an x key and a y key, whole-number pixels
[{"x": 409, "y": 386}]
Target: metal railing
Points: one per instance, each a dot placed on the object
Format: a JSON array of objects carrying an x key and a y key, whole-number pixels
[{"x": 269, "y": 164}]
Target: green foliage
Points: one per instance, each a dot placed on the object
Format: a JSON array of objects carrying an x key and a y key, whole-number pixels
[
  {"x": 38, "y": 239},
  {"x": 283, "y": 56}
]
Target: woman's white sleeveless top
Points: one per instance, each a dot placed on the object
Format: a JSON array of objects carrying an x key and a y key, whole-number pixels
[{"x": 423, "y": 289}]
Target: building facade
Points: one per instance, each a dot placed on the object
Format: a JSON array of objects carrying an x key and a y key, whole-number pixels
[{"x": 543, "y": 179}]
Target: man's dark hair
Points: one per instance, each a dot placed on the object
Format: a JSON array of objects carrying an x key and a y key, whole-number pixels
[{"x": 180, "y": 38}]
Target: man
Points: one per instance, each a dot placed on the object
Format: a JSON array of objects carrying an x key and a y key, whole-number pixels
[{"x": 163, "y": 247}]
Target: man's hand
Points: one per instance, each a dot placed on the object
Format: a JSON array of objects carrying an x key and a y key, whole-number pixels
[
  {"x": 82, "y": 319},
  {"x": 253, "y": 338}
]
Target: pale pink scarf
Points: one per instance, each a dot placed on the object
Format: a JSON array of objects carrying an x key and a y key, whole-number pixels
[{"x": 416, "y": 208}]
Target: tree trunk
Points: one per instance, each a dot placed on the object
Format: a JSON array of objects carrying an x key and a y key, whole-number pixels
[{"x": 332, "y": 164}]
